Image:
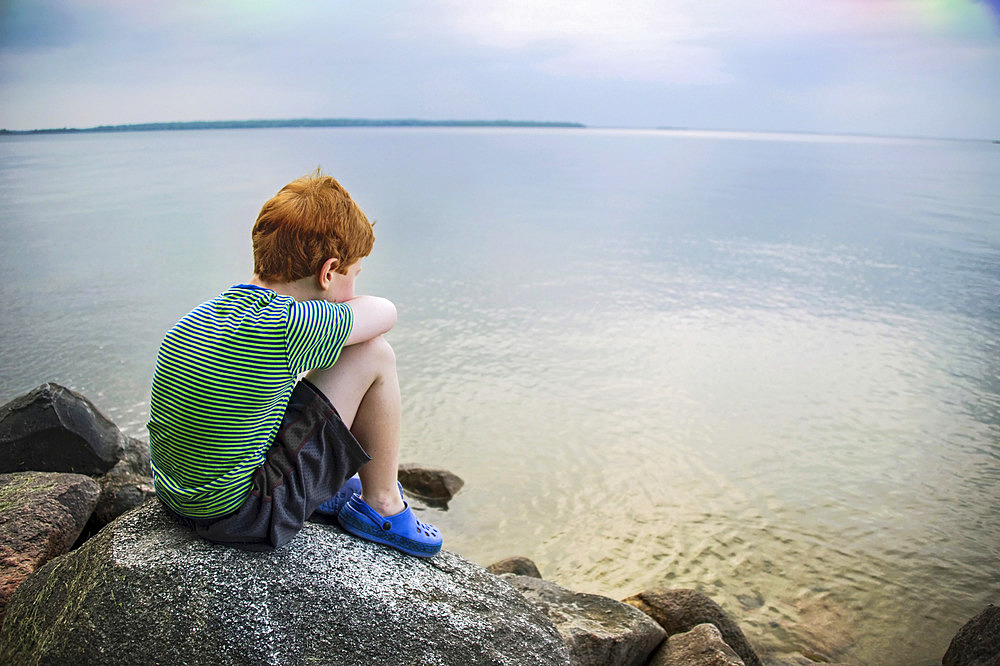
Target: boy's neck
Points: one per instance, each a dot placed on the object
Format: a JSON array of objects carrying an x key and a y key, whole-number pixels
[{"x": 304, "y": 289}]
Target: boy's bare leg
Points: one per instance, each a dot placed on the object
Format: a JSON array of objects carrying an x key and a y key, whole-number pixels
[{"x": 364, "y": 388}]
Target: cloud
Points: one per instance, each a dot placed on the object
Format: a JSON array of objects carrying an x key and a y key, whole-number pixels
[
  {"x": 632, "y": 40},
  {"x": 827, "y": 65},
  {"x": 687, "y": 42}
]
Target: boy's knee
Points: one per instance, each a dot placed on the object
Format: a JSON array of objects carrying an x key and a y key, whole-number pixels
[{"x": 378, "y": 349}]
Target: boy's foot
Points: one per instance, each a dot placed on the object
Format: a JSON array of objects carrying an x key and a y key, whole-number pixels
[
  {"x": 332, "y": 506},
  {"x": 402, "y": 531}
]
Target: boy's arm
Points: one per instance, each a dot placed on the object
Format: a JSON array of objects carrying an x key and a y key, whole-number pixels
[{"x": 372, "y": 316}]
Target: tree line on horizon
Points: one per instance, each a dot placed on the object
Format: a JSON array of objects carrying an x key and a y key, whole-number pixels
[{"x": 296, "y": 122}]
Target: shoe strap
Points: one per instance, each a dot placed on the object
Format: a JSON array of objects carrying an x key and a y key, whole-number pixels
[{"x": 374, "y": 516}]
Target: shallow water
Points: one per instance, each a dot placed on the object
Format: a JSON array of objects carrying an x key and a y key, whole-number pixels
[{"x": 762, "y": 366}]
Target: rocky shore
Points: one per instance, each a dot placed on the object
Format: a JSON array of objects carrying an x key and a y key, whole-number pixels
[{"x": 92, "y": 570}]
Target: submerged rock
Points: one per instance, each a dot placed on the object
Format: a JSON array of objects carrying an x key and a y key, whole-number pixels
[
  {"x": 977, "y": 643},
  {"x": 679, "y": 611},
  {"x": 41, "y": 515},
  {"x": 597, "y": 630},
  {"x": 521, "y": 566},
  {"x": 53, "y": 429},
  {"x": 145, "y": 590}
]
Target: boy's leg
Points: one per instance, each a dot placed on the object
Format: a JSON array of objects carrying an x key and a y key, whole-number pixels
[{"x": 364, "y": 388}]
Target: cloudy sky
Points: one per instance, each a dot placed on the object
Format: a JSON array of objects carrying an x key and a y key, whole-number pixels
[{"x": 901, "y": 67}]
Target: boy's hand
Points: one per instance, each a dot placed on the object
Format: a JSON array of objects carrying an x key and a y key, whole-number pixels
[{"x": 373, "y": 316}]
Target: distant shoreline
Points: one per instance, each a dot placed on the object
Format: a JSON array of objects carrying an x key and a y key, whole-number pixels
[
  {"x": 293, "y": 122},
  {"x": 413, "y": 122}
]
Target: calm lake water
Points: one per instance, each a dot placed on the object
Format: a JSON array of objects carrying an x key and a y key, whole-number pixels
[{"x": 763, "y": 366}]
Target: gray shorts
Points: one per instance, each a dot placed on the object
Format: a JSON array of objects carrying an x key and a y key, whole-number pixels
[{"x": 312, "y": 456}]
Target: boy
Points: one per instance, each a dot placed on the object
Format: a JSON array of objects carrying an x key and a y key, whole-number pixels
[{"x": 241, "y": 451}]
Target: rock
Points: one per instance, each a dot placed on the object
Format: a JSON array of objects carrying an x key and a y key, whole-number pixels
[
  {"x": 825, "y": 630},
  {"x": 678, "y": 611},
  {"x": 126, "y": 486},
  {"x": 135, "y": 460},
  {"x": 120, "y": 493},
  {"x": 598, "y": 631},
  {"x": 435, "y": 486},
  {"x": 702, "y": 646},
  {"x": 145, "y": 590},
  {"x": 797, "y": 659},
  {"x": 521, "y": 566},
  {"x": 53, "y": 429},
  {"x": 41, "y": 515},
  {"x": 978, "y": 642}
]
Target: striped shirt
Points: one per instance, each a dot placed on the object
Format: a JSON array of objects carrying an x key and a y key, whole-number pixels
[{"x": 224, "y": 375}]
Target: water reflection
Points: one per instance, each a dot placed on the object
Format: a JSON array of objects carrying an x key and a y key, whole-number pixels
[{"x": 762, "y": 368}]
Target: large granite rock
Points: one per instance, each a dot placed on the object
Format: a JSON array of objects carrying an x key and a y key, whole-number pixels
[
  {"x": 977, "y": 643},
  {"x": 702, "y": 646},
  {"x": 598, "y": 631},
  {"x": 53, "y": 429},
  {"x": 145, "y": 590},
  {"x": 41, "y": 515},
  {"x": 678, "y": 611}
]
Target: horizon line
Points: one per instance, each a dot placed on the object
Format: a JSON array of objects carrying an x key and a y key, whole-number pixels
[
  {"x": 293, "y": 122},
  {"x": 415, "y": 122}
]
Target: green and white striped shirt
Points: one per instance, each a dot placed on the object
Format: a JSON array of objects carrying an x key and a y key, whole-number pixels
[{"x": 223, "y": 377}]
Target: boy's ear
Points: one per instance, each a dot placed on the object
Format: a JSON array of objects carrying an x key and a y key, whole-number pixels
[{"x": 326, "y": 271}]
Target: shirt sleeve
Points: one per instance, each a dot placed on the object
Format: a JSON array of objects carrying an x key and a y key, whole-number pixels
[{"x": 316, "y": 333}]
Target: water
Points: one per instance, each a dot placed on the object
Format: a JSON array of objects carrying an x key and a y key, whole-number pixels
[{"x": 763, "y": 366}]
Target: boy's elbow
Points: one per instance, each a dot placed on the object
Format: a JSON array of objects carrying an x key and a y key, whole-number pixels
[{"x": 390, "y": 316}]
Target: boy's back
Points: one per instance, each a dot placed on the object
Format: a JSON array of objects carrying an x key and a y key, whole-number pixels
[{"x": 223, "y": 378}]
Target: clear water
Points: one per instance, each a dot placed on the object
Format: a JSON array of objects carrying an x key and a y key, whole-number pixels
[{"x": 763, "y": 366}]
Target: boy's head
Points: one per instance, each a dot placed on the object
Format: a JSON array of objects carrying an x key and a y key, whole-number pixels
[{"x": 308, "y": 221}]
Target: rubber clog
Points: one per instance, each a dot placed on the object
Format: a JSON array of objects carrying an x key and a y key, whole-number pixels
[
  {"x": 332, "y": 506},
  {"x": 402, "y": 531}
]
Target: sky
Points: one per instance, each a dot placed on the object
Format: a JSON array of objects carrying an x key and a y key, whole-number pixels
[{"x": 889, "y": 67}]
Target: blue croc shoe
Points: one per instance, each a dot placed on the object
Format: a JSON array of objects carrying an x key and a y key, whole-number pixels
[
  {"x": 332, "y": 506},
  {"x": 402, "y": 531}
]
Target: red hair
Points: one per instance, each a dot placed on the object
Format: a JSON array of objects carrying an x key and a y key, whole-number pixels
[{"x": 307, "y": 222}]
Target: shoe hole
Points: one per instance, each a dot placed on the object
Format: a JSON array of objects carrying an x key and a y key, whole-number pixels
[{"x": 386, "y": 525}]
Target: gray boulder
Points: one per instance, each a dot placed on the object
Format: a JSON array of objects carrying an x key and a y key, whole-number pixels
[
  {"x": 702, "y": 646},
  {"x": 678, "y": 611},
  {"x": 977, "y": 643},
  {"x": 145, "y": 590},
  {"x": 53, "y": 429},
  {"x": 41, "y": 515},
  {"x": 120, "y": 493},
  {"x": 597, "y": 630},
  {"x": 135, "y": 460},
  {"x": 126, "y": 486},
  {"x": 521, "y": 566}
]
